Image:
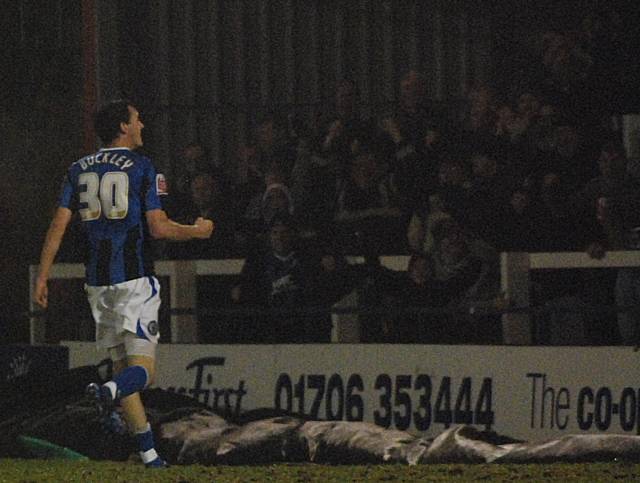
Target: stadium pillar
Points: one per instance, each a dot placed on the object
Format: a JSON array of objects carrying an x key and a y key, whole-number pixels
[{"x": 89, "y": 63}]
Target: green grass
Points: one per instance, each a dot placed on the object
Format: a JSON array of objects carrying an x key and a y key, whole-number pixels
[{"x": 14, "y": 470}]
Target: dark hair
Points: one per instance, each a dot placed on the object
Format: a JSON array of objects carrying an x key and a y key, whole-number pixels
[{"x": 109, "y": 117}]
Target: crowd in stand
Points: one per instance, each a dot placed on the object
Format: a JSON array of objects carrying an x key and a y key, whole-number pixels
[{"x": 536, "y": 169}]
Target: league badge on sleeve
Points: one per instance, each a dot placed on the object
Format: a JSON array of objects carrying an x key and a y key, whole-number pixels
[{"x": 161, "y": 185}]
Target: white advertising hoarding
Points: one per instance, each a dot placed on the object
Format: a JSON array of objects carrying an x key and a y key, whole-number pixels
[{"x": 530, "y": 393}]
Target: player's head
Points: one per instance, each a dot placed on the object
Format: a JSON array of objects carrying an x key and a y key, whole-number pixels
[{"x": 118, "y": 123}]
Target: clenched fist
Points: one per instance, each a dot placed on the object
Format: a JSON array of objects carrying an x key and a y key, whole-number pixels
[{"x": 204, "y": 227}]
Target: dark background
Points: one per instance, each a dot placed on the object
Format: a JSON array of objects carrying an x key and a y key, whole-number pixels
[{"x": 41, "y": 94}]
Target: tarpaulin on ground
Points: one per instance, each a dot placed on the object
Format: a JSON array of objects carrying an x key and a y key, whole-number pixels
[{"x": 188, "y": 432}]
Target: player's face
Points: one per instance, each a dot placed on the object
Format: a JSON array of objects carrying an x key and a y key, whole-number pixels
[{"x": 134, "y": 128}]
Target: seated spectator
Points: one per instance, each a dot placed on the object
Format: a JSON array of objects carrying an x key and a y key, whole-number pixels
[
  {"x": 570, "y": 160},
  {"x": 342, "y": 127},
  {"x": 468, "y": 271},
  {"x": 527, "y": 111},
  {"x": 489, "y": 193},
  {"x": 193, "y": 159},
  {"x": 207, "y": 200},
  {"x": 366, "y": 202},
  {"x": 414, "y": 171},
  {"x": 409, "y": 123},
  {"x": 506, "y": 126},
  {"x": 480, "y": 119},
  {"x": 314, "y": 182},
  {"x": 275, "y": 198},
  {"x": 450, "y": 200},
  {"x": 524, "y": 226},
  {"x": 272, "y": 150},
  {"x": 413, "y": 290},
  {"x": 541, "y": 138},
  {"x": 282, "y": 275}
]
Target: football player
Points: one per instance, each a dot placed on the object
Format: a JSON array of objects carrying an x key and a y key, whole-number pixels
[{"x": 116, "y": 192}]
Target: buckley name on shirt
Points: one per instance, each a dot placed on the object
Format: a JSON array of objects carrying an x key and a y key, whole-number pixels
[{"x": 122, "y": 161}]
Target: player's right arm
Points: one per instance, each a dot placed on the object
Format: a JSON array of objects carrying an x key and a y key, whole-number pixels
[
  {"x": 162, "y": 227},
  {"x": 50, "y": 248}
]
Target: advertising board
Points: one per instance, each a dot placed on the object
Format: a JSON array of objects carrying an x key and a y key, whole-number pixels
[{"x": 523, "y": 392}]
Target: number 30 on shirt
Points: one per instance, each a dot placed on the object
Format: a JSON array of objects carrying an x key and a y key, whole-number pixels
[{"x": 108, "y": 196}]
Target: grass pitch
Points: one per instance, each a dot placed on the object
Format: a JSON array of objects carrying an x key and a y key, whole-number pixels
[{"x": 51, "y": 470}]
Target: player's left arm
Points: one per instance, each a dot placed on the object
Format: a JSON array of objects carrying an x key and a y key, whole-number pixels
[{"x": 55, "y": 234}]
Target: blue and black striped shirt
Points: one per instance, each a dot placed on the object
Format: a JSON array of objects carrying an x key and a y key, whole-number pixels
[{"x": 111, "y": 190}]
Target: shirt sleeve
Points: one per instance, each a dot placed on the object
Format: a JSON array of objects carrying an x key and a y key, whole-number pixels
[
  {"x": 155, "y": 186},
  {"x": 67, "y": 197}
]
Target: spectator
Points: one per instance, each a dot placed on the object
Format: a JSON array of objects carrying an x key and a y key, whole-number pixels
[
  {"x": 612, "y": 204},
  {"x": 506, "y": 126},
  {"x": 415, "y": 289},
  {"x": 527, "y": 111},
  {"x": 570, "y": 160},
  {"x": 271, "y": 151},
  {"x": 407, "y": 127},
  {"x": 489, "y": 193},
  {"x": 450, "y": 200},
  {"x": 541, "y": 133},
  {"x": 612, "y": 183},
  {"x": 316, "y": 173},
  {"x": 414, "y": 172},
  {"x": 193, "y": 159},
  {"x": 467, "y": 269},
  {"x": 343, "y": 127},
  {"x": 275, "y": 198},
  {"x": 283, "y": 275},
  {"x": 208, "y": 200},
  {"x": 366, "y": 203},
  {"x": 524, "y": 228},
  {"x": 564, "y": 69},
  {"x": 479, "y": 123},
  {"x": 599, "y": 216}
]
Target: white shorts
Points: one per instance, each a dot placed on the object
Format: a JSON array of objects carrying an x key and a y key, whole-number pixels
[{"x": 127, "y": 307}]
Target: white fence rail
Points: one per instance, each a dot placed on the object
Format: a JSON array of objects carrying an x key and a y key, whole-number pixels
[
  {"x": 182, "y": 276},
  {"x": 515, "y": 283},
  {"x": 515, "y": 269}
]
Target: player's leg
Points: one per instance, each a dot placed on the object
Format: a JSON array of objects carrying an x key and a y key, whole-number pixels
[
  {"x": 141, "y": 353},
  {"x": 132, "y": 406},
  {"x": 127, "y": 379},
  {"x": 136, "y": 416},
  {"x": 108, "y": 336},
  {"x": 136, "y": 303},
  {"x": 133, "y": 308},
  {"x": 141, "y": 356},
  {"x": 130, "y": 379},
  {"x": 102, "y": 396},
  {"x": 113, "y": 420}
]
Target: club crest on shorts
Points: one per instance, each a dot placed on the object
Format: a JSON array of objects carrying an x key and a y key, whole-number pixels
[{"x": 152, "y": 327}]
